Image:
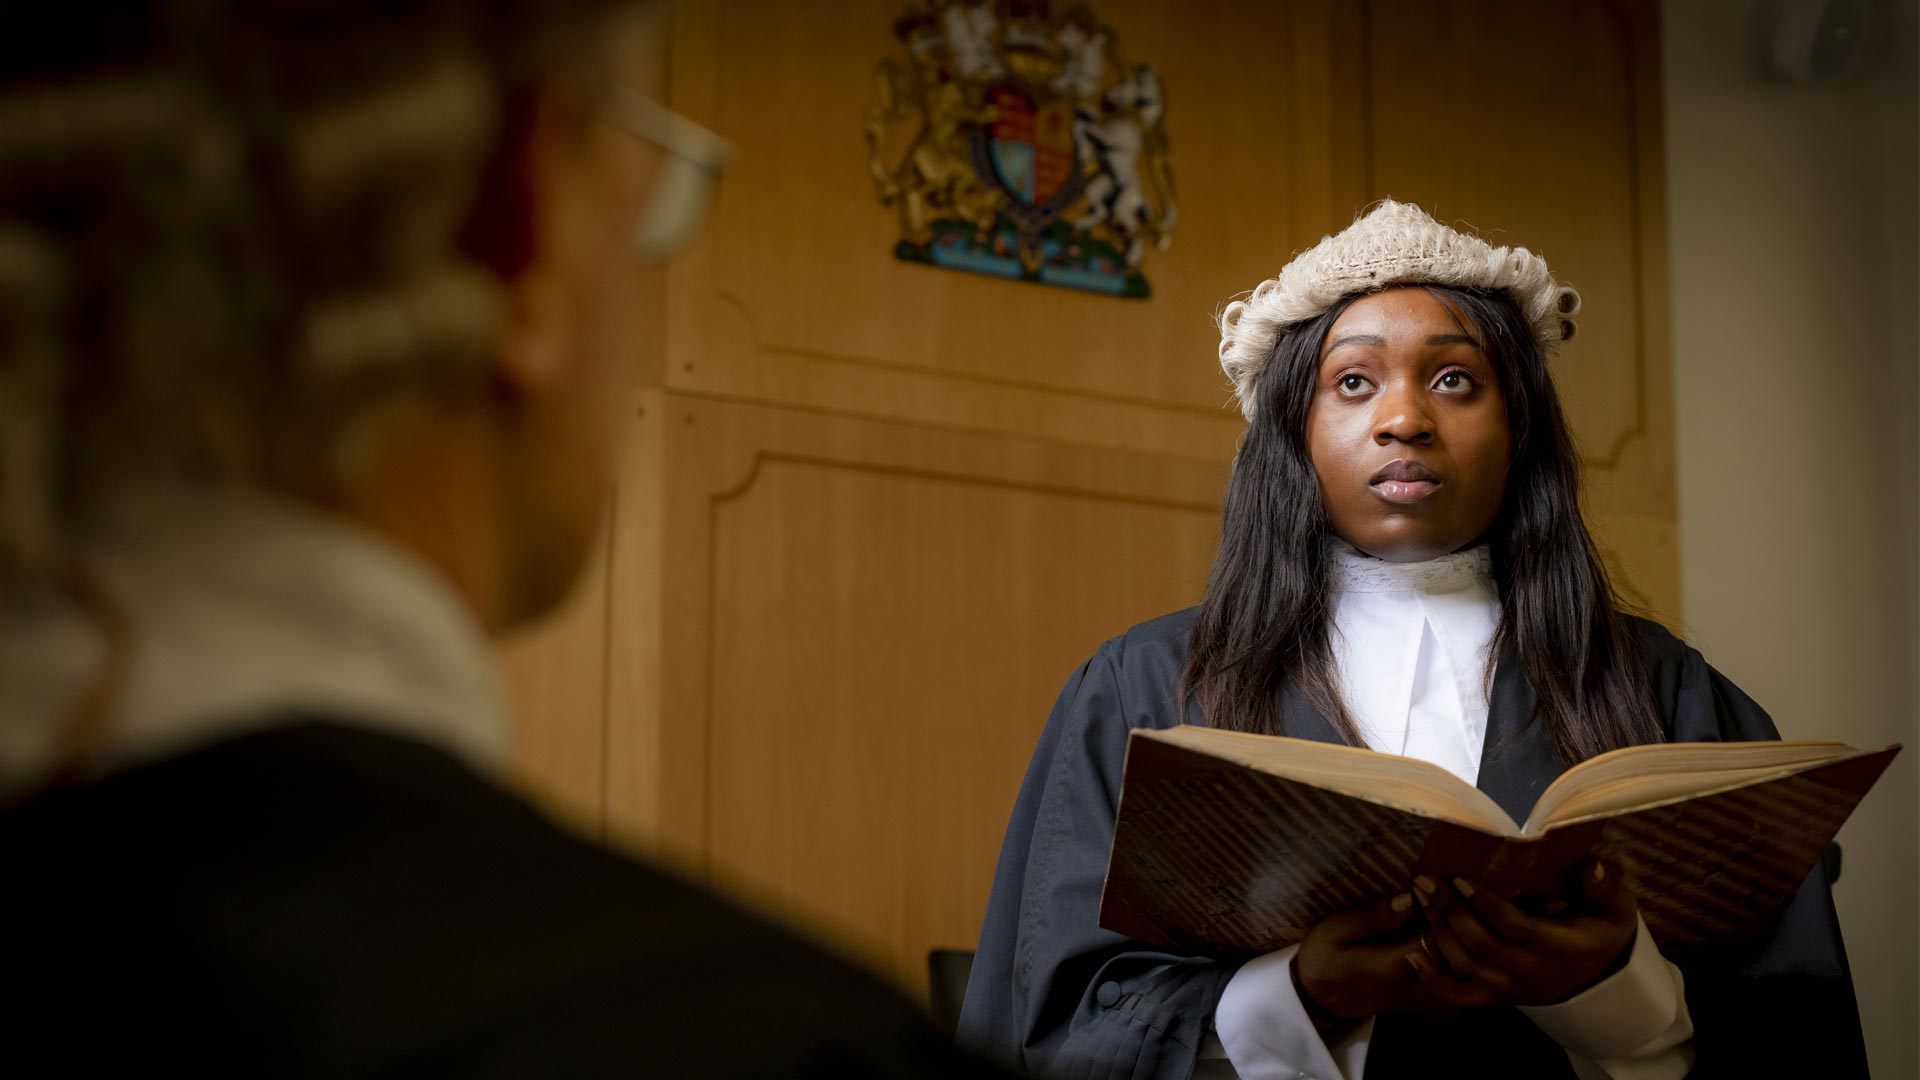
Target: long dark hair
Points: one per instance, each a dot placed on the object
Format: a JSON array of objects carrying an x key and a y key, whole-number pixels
[{"x": 1265, "y": 622}]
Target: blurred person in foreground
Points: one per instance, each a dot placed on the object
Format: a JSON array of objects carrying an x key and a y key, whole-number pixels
[{"x": 311, "y": 357}]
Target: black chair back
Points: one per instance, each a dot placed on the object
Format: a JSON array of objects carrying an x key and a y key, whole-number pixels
[{"x": 947, "y": 971}]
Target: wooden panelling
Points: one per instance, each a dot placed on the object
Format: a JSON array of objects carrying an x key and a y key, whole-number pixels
[
  {"x": 1641, "y": 552},
  {"x": 866, "y": 624},
  {"x": 641, "y": 632},
  {"x": 555, "y": 675}
]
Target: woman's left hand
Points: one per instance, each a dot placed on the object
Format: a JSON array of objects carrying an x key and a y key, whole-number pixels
[{"x": 1486, "y": 951}]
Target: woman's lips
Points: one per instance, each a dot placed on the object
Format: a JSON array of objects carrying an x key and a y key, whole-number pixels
[
  {"x": 1405, "y": 491},
  {"x": 1403, "y": 481}
]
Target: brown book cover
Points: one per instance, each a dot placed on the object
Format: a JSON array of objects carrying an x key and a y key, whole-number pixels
[{"x": 1234, "y": 843}]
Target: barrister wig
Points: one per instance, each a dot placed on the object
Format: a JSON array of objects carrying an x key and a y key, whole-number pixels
[
  {"x": 1266, "y": 621},
  {"x": 1393, "y": 244},
  {"x": 229, "y": 230}
]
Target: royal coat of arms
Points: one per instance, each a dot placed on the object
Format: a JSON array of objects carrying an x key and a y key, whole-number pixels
[{"x": 1020, "y": 144}]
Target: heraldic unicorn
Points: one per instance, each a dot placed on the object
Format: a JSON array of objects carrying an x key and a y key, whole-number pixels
[{"x": 1017, "y": 143}]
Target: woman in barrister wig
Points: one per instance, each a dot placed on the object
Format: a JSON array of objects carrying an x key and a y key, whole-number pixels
[{"x": 1404, "y": 567}]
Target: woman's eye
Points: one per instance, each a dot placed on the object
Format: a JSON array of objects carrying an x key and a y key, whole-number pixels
[
  {"x": 1455, "y": 382},
  {"x": 1354, "y": 384}
]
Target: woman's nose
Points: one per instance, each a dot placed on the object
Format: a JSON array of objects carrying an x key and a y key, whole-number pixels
[{"x": 1402, "y": 417}]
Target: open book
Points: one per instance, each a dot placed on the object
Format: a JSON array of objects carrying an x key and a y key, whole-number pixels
[{"x": 1234, "y": 843}]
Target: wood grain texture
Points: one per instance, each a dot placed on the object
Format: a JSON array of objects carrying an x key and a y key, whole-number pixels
[
  {"x": 868, "y": 623},
  {"x": 639, "y": 629},
  {"x": 555, "y": 674}
]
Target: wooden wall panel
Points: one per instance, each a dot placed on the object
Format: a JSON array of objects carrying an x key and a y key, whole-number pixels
[
  {"x": 902, "y": 674},
  {"x": 555, "y": 674},
  {"x": 641, "y": 632},
  {"x": 868, "y": 622}
]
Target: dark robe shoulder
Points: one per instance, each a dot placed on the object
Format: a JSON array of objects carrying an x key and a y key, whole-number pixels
[
  {"x": 322, "y": 900},
  {"x": 1053, "y": 993}
]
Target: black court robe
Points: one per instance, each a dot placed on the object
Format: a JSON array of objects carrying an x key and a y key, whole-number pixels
[
  {"x": 1053, "y": 993},
  {"x": 324, "y": 900}
]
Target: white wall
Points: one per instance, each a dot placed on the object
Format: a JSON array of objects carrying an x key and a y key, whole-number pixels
[{"x": 1793, "y": 212}]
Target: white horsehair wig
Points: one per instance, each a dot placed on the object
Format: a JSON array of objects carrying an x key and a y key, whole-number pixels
[{"x": 1392, "y": 244}]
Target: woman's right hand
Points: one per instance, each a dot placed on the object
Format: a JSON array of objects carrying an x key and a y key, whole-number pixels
[{"x": 1354, "y": 964}]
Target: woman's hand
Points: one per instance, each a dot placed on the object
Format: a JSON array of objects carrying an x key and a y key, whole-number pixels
[
  {"x": 1354, "y": 964},
  {"x": 1482, "y": 950}
]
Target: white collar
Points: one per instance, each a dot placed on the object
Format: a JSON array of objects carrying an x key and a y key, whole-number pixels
[
  {"x": 1412, "y": 643},
  {"x": 1358, "y": 572},
  {"x": 242, "y": 608}
]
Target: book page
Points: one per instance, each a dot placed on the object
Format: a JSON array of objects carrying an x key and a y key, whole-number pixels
[
  {"x": 1642, "y": 775},
  {"x": 1403, "y": 783}
]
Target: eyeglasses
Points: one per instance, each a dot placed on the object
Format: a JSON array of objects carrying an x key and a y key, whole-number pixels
[{"x": 695, "y": 159}]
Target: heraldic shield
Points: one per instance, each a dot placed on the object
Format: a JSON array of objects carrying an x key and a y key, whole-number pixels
[{"x": 1018, "y": 144}]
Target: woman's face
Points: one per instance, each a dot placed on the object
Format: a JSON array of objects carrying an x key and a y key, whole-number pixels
[{"x": 1408, "y": 428}]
